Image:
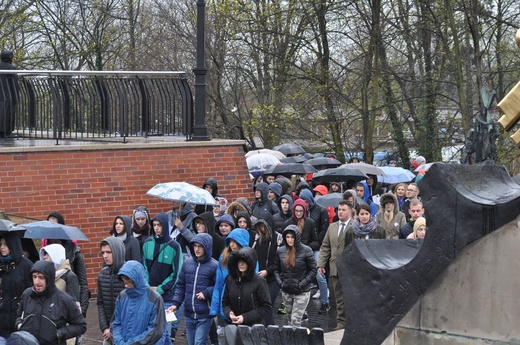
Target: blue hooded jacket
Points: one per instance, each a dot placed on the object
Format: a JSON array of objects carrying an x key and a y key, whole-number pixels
[
  {"x": 163, "y": 272},
  {"x": 368, "y": 200},
  {"x": 241, "y": 237},
  {"x": 139, "y": 316},
  {"x": 197, "y": 275}
]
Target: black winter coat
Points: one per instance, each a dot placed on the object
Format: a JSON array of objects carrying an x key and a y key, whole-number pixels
[
  {"x": 309, "y": 235},
  {"x": 280, "y": 218},
  {"x": 52, "y": 315},
  {"x": 109, "y": 284},
  {"x": 298, "y": 279},
  {"x": 266, "y": 247},
  {"x": 15, "y": 277},
  {"x": 247, "y": 294},
  {"x": 77, "y": 262}
]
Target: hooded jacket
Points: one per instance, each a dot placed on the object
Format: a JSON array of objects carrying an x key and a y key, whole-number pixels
[
  {"x": 139, "y": 316},
  {"x": 266, "y": 247},
  {"x": 210, "y": 181},
  {"x": 132, "y": 248},
  {"x": 241, "y": 237},
  {"x": 391, "y": 226},
  {"x": 246, "y": 294},
  {"x": 285, "y": 183},
  {"x": 318, "y": 213},
  {"x": 367, "y": 198},
  {"x": 280, "y": 218},
  {"x": 276, "y": 189},
  {"x": 65, "y": 279},
  {"x": 226, "y": 218},
  {"x": 77, "y": 262},
  {"x": 309, "y": 233},
  {"x": 14, "y": 273},
  {"x": 263, "y": 204},
  {"x": 51, "y": 316},
  {"x": 109, "y": 285},
  {"x": 186, "y": 214},
  {"x": 218, "y": 242},
  {"x": 298, "y": 279},
  {"x": 22, "y": 338},
  {"x": 162, "y": 259},
  {"x": 250, "y": 225},
  {"x": 197, "y": 275}
]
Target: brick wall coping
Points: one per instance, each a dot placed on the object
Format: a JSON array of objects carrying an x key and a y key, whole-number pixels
[{"x": 33, "y": 145}]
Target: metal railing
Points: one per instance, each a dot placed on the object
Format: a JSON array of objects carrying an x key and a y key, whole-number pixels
[{"x": 91, "y": 105}]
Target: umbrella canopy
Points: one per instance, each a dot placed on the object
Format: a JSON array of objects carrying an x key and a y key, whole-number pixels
[
  {"x": 277, "y": 154},
  {"x": 329, "y": 200},
  {"x": 290, "y": 169},
  {"x": 366, "y": 168},
  {"x": 395, "y": 175},
  {"x": 340, "y": 174},
  {"x": 293, "y": 159},
  {"x": 261, "y": 161},
  {"x": 7, "y": 225},
  {"x": 424, "y": 167},
  {"x": 182, "y": 192},
  {"x": 324, "y": 162},
  {"x": 516, "y": 178},
  {"x": 51, "y": 230},
  {"x": 289, "y": 149}
]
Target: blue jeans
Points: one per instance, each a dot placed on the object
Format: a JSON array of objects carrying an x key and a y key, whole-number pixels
[
  {"x": 197, "y": 330},
  {"x": 179, "y": 313},
  {"x": 322, "y": 283}
]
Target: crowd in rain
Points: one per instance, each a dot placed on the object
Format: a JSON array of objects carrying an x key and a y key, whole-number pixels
[{"x": 209, "y": 265}]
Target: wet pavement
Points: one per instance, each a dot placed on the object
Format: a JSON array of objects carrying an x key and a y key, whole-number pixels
[{"x": 326, "y": 322}]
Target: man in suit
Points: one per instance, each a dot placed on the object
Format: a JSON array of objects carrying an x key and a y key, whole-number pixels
[{"x": 331, "y": 248}]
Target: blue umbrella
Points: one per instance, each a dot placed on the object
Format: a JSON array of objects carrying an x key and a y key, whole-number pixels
[
  {"x": 51, "y": 230},
  {"x": 7, "y": 225},
  {"x": 395, "y": 175}
]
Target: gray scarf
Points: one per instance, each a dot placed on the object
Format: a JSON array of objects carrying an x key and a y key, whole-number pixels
[{"x": 363, "y": 230}]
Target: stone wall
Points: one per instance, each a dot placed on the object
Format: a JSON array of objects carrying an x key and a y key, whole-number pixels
[
  {"x": 475, "y": 300},
  {"x": 91, "y": 184}
]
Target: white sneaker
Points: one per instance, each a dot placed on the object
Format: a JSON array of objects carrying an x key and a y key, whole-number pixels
[{"x": 317, "y": 294}]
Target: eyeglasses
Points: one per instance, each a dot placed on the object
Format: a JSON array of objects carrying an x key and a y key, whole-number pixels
[{"x": 200, "y": 224}]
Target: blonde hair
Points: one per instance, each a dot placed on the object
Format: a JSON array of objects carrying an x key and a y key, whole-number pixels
[{"x": 421, "y": 221}]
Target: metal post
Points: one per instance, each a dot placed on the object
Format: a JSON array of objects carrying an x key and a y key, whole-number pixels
[{"x": 200, "y": 132}]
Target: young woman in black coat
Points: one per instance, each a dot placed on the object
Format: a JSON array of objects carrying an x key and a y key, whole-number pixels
[{"x": 246, "y": 298}]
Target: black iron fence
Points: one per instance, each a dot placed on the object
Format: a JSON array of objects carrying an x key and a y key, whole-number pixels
[{"x": 89, "y": 105}]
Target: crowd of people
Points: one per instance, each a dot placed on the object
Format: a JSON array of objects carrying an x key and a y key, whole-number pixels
[{"x": 212, "y": 266}]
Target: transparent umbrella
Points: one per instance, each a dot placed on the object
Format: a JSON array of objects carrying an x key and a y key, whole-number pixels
[
  {"x": 261, "y": 161},
  {"x": 182, "y": 192}
]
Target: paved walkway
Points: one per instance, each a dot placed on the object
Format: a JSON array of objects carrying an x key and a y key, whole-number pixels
[{"x": 327, "y": 322}]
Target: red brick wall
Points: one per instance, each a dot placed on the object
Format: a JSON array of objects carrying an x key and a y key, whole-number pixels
[{"x": 91, "y": 187}]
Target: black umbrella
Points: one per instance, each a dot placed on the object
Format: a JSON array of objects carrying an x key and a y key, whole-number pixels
[
  {"x": 329, "y": 200},
  {"x": 324, "y": 162},
  {"x": 289, "y": 149},
  {"x": 340, "y": 174},
  {"x": 293, "y": 159},
  {"x": 290, "y": 169}
]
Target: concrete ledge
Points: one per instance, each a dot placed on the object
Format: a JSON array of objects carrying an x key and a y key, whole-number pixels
[{"x": 111, "y": 143}]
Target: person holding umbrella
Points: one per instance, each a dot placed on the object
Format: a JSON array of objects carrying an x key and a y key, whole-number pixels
[{"x": 14, "y": 277}]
